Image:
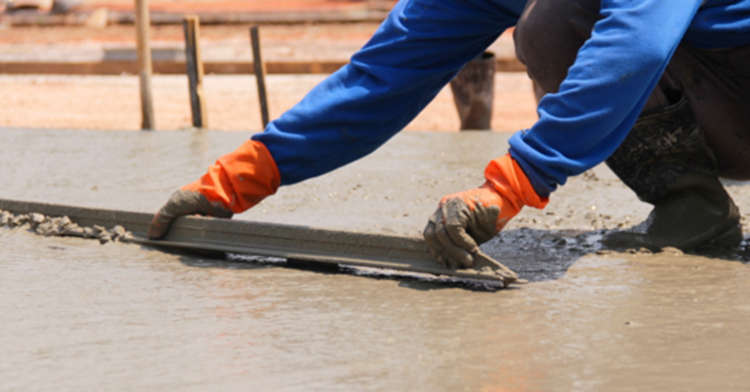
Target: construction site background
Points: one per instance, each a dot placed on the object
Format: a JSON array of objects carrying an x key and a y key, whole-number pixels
[{"x": 83, "y": 35}]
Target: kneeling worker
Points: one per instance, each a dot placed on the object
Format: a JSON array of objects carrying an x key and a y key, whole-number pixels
[{"x": 659, "y": 89}]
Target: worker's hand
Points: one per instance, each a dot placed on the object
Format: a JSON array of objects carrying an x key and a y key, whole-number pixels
[
  {"x": 466, "y": 219},
  {"x": 184, "y": 202},
  {"x": 236, "y": 182}
]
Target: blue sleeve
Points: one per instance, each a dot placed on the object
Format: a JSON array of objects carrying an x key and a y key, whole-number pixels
[
  {"x": 413, "y": 54},
  {"x": 607, "y": 86}
]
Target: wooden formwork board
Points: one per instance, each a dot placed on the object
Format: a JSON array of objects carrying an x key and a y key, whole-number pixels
[{"x": 167, "y": 67}]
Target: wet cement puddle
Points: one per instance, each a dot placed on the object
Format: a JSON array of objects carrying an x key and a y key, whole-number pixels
[
  {"x": 89, "y": 316},
  {"x": 79, "y": 315}
]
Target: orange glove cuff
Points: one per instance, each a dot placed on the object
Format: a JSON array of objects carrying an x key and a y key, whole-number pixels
[
  {"x": 240, "y": 179},
  {"x": 509, "y": 180}
]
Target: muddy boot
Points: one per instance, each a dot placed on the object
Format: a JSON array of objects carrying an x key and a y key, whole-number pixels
[
  {"x": 666, "y": 161},
  {"x": 473, "y": 92}
]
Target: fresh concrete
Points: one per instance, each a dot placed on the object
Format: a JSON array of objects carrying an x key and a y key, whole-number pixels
[{"x": 77, "y": 315}]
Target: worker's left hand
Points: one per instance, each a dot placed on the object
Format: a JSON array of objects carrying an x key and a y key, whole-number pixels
[{"x": 466, "y": 219}]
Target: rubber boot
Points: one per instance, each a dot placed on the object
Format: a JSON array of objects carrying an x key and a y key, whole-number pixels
[
  {"x": 473, "y": 92},
  {"x": 666, "y": 161}
]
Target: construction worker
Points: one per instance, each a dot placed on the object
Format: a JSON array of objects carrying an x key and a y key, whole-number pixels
[{"x": 657, "y": 88}]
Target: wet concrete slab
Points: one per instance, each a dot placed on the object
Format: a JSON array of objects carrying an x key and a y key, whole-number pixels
[{"x": 80, "y": 315}]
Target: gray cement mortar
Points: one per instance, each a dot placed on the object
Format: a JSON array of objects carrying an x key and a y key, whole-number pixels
[
  {"x": 61, "y": 226},
  {"x": 80, "y": 316}
]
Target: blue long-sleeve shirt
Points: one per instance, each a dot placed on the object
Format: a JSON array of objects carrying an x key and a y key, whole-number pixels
[{"x": 423, "y": 43}]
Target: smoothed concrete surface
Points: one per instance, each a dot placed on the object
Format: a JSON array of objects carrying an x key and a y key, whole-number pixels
[{"x": 393, "y": 190}]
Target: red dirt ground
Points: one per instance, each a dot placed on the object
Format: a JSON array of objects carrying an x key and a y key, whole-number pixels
[{"x": 112, "y": 102}]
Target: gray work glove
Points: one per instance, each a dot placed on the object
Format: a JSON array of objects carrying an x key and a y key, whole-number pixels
[
  {"x": 464, "y": 220},
  {"x": 184, "y": 202}
]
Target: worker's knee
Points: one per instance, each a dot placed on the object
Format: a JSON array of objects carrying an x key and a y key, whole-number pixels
[{"x": 548, "y": 35}]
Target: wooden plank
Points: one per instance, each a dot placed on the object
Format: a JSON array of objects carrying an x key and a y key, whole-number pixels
[
  {"x": 267, "y": 239},
  {"x": 194, "y": 68},
  {"x": 142, "y": 25},
  {"x": 125, "y": 17},
  {"x": 260, "y": 75},
  {"x": 171, "y": 67}
]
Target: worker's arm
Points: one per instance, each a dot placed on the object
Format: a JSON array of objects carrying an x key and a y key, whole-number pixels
[
  {"x": 605, "y": 89},
  {"x": 415, "y": 52},
  {"x": 412, "y": 55},
  {"x": 578, "y": 127}
]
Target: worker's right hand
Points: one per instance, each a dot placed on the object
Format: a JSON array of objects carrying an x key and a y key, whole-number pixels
[
  {"x": 184, "y": 202},
  {"x": 236, "y": 182}
]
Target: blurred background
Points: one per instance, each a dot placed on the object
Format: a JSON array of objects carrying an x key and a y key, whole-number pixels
[{"x": 73, "y": 63}]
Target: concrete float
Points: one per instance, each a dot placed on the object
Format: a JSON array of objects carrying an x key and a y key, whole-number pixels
[{"x": 291, "y": 242}]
